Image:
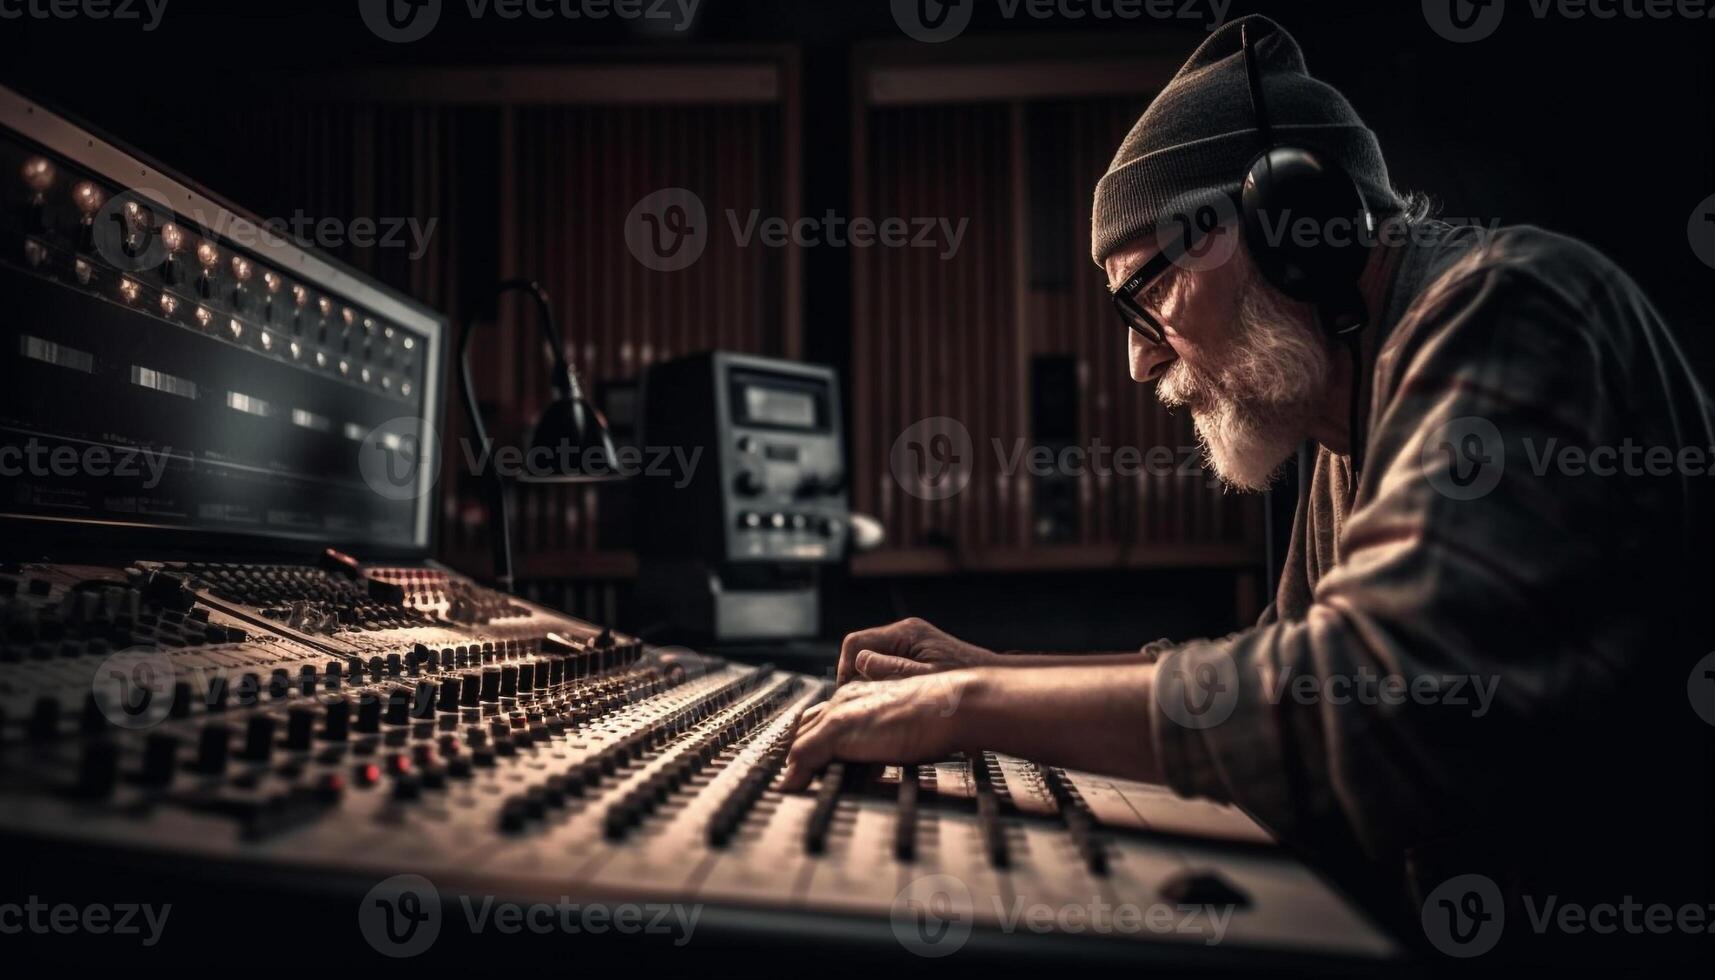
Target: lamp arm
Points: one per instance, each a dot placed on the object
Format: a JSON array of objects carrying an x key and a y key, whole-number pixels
[{"x": 564, "y": 377}]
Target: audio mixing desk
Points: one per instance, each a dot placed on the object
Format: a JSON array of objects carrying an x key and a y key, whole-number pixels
[{"x": 342, "y": 725}]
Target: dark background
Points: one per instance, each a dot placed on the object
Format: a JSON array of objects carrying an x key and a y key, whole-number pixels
[{"x": 1599, "y": 129}]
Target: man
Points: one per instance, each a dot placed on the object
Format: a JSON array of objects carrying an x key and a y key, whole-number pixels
[{"x": 1477, "y": 658}]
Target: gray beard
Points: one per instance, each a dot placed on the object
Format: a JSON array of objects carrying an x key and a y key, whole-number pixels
[{"x": 1255, "y": 408}]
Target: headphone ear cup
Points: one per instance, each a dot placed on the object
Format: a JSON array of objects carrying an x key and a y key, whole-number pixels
[{"x": 1305, "y": 224}]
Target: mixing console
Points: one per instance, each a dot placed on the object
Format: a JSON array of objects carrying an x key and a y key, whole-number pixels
[{"x": 376, "y": 721}]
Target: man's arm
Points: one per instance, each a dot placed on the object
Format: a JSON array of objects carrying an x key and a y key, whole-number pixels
[
  {"x": 1085, "y": 717},
  {"x": 1435, "y": 605}
]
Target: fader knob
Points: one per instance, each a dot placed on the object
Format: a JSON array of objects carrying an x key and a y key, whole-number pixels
[
  {"x": 212, "y": 747},
  {"x": 259, "y": 738},
  {"x": 160, "y": 759}
]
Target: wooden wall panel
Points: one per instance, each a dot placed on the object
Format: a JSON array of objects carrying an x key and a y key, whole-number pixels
[
  {"x": 956, "y": 338},
  {"x": 541, "y": 191}
]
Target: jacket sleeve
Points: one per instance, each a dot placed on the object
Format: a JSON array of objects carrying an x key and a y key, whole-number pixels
[{"x": 1425, "y": 675}]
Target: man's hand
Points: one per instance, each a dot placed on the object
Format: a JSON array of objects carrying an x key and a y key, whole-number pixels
[
  {"x": 1086, "y": 717},
  {"x": 907, "y": 648},
  {"x": 907, "y": 720}
]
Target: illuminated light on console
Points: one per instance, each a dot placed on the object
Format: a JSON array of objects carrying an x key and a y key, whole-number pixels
[
  {"x": 172, "y": 236},
  {"x": 354, "y": 432},
  {"x": 295, "y": 350},
  {"x": 84, "y": 271},
  {"x": 364, "y": 375},
  {"x": 38, "y": 174},
  {"x": 130, "y": 290},
  {"x": 409, "y": 343},
  {"x": 310, "y": 420},
  {"x": 326, "y": 306},
  {"x": 88, "y": 198},
  {"x": 272, "y": 282},
  {"x": 321, "y": 359},
  {"x": 204, "y": 317},
  {"x": 161, "y": 381},
  {"x": 344, "y": 368},
  {"x": 242, "y": 270},
  {"x": 300, "y": 296},
  {"x": 34, "y": 252},
  {"x": 348, "y": 316},
  {"x": 405, "y": 388},
  {"x": 169, "y": 305},
  {"x": 248, "y": 404},
  {"x": 267, "y": 340},
  {"x": 235, "y": 328},
  {"x": 48, "y": 352},
  {"x": 208, "y": 256},
  {"x": 386, "y": 383}
]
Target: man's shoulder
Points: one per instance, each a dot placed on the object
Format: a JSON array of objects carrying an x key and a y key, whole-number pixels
[{"x": 1527, "y": 279}]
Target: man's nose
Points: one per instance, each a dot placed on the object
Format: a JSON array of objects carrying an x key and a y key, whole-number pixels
[{"x": 1148, "y": 359}]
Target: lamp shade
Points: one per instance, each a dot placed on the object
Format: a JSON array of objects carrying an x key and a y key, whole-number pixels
[{"x": 570, "y": 443}]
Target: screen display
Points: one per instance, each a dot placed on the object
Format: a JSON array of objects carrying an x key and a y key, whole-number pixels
[
  {"x": 779, "y": 406},
  {"x": 167, "y": 378}
]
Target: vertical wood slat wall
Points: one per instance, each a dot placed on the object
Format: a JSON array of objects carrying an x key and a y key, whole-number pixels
[
  {"x": 565, "y": 178},
  {"x": 955, "y": 337}
]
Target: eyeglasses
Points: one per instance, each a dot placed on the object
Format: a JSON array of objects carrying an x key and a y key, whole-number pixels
[{"x": 1131, "y": 309}]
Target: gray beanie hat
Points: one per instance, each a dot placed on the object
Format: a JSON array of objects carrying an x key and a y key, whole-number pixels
[{"x": 1193, "y": 143}]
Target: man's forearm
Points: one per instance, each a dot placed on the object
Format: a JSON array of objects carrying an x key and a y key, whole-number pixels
[
  {"x": 1084, "y": 716},
  {"x": 1019, "y": 658}
]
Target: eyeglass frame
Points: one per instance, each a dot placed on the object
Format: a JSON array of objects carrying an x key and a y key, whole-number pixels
[{"x": 1131, "y": 312}]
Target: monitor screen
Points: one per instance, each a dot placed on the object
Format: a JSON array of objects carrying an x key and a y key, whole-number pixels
[{"x": 177, "y": 367}]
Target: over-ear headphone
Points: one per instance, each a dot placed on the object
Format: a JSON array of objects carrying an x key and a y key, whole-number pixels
[{"x": 1286, "y": 185}]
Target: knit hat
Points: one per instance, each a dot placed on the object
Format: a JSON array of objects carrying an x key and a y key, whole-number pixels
[{"x": 1192, "y": 145}]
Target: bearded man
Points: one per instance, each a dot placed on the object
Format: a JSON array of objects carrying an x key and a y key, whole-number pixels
[{"x": 1522, "y": 607}]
